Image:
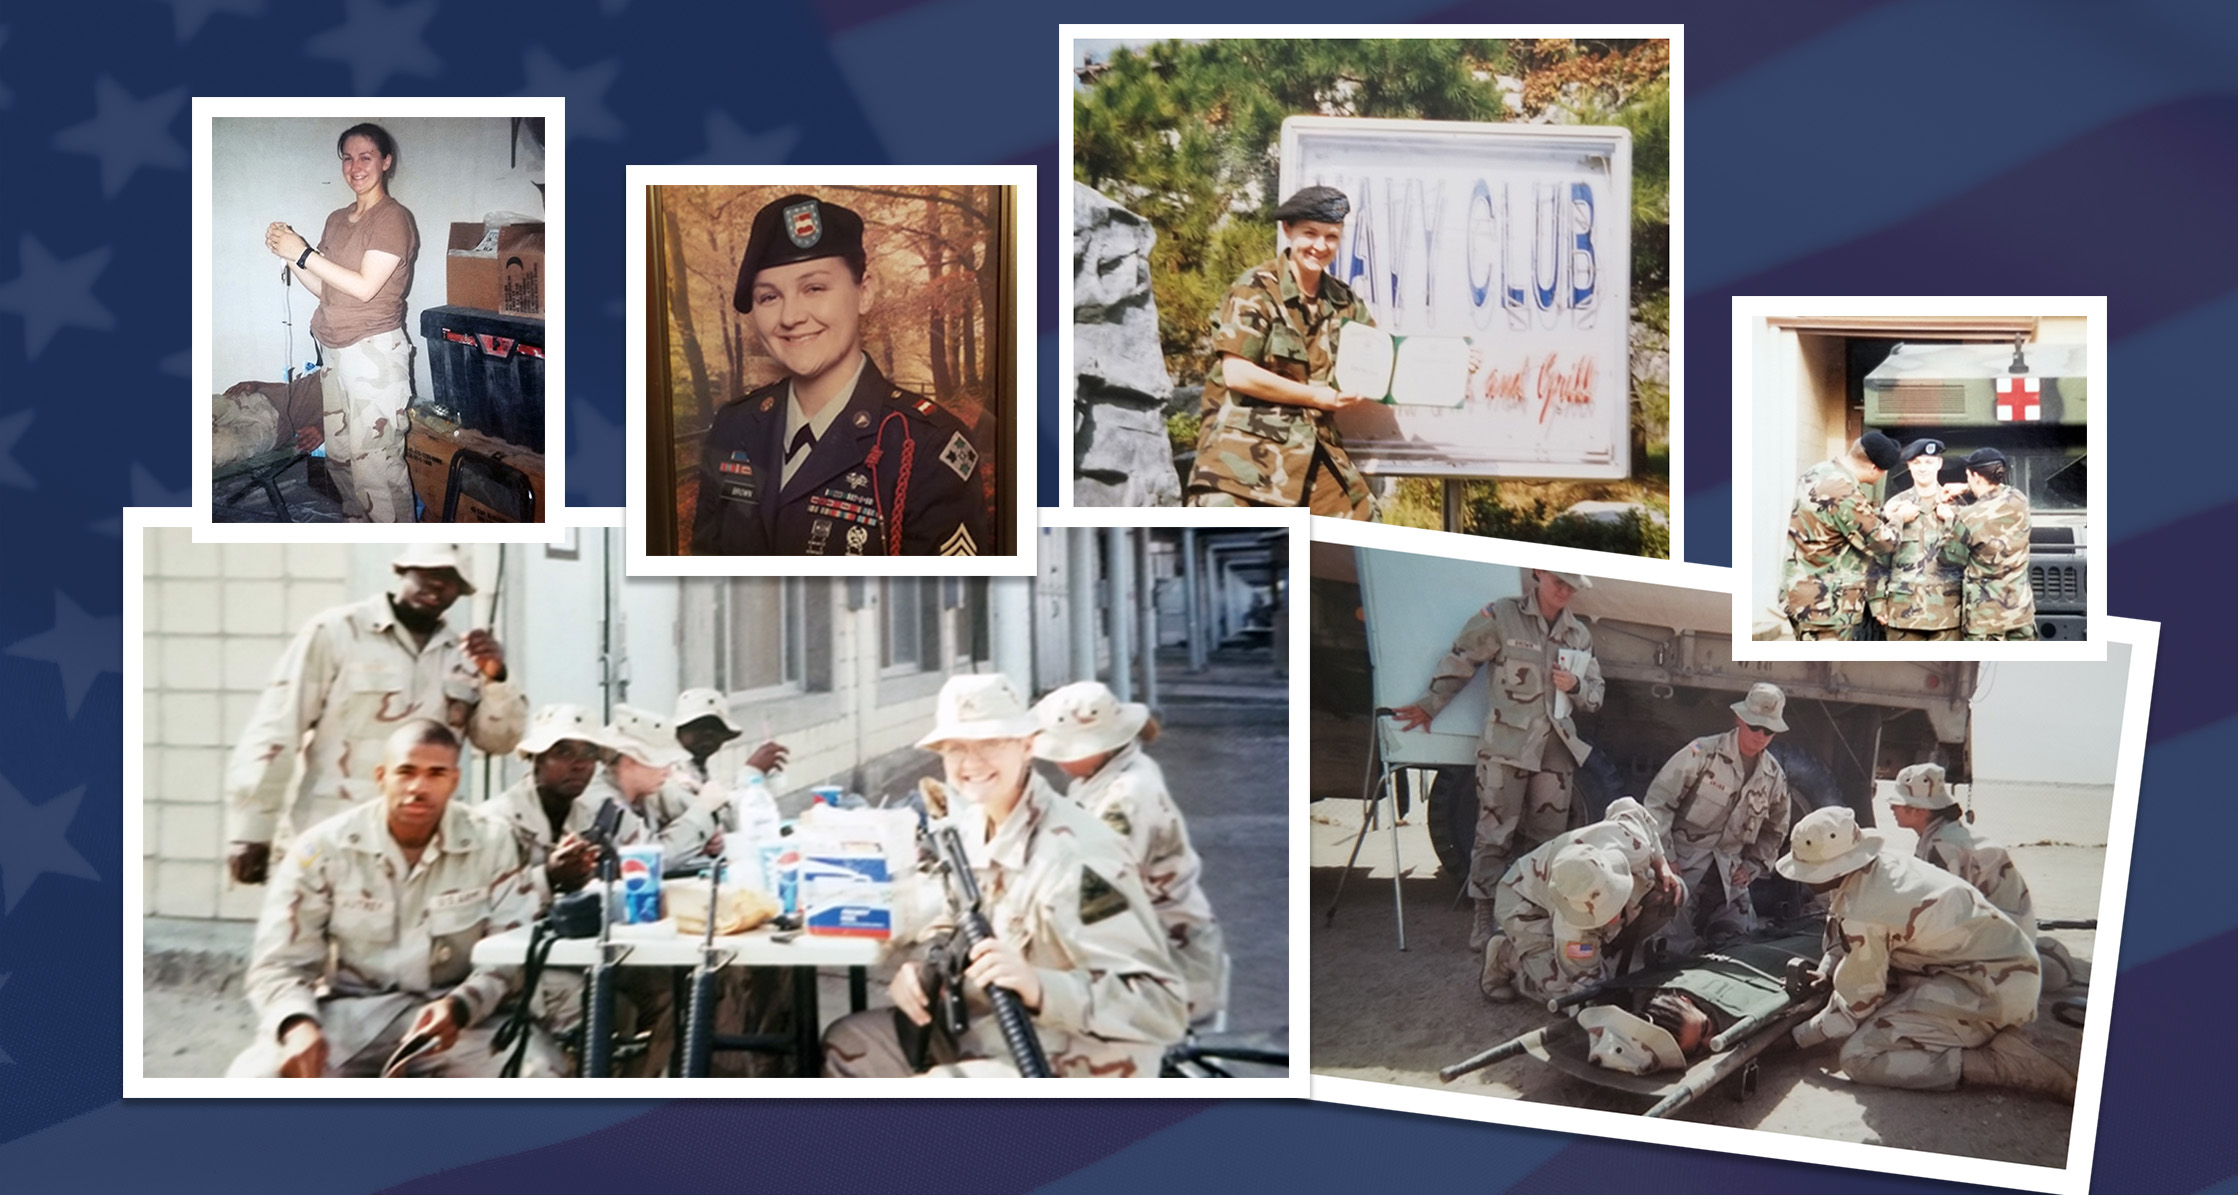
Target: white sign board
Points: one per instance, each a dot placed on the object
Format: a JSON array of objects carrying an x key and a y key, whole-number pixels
[{"x": 1515, "y": 239}]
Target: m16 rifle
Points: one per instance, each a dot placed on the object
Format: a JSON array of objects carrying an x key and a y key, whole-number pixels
[{"x": 945, "y": 964}]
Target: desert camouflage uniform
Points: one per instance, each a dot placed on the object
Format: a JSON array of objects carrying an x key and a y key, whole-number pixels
[
  {"x": 402, "y": 936},
  {"x": 1832, "y": 535},
  {"x": 1543, "y": 959},
  {"x": 1129, "y": 793},
  {"x": 1256, "y": 453},
  {"x": 666, "y": 817},
  {"x": 349, "y": 679},
  {"x": 1714, "y": 814},
  {"x": 1953, "y": 847},
  {"x": 1062, "y": 889},
  {"x": 1923, "y": 968},
  {"x": 1915, "y": 592},
  {"x": 368, "y": 386},
  {"x": 1990, "y": 538},
  {"x": 1526, "y": 756}
]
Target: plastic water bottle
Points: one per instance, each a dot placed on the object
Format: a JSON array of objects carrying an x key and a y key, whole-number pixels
[{"x": 757, "y": 824}]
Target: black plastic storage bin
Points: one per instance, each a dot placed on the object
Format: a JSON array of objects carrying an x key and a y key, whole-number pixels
[{"x": 489, "y": 371}]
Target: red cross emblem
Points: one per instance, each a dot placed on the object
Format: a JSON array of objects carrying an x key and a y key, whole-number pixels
[{"x": 2019, "y": 399}]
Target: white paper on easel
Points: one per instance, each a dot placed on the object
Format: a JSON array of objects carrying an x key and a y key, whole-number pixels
[
  {"x": 1432, "y": 371},
  {"x": 1364, "y": 356}
]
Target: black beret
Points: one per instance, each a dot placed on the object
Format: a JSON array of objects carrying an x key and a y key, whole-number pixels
[
  {"x": 1326, "y": 204},
  {"x": 1881, "y": 450},
  {"x": 1927, "y": 447},
  {"x": 795, "y": 228},
  {"x": 1985, "y": 456}
]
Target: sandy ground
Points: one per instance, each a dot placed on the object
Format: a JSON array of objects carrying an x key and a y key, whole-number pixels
[
  {"x": 1222, "y": 750},
  {"x": 1384, "y": 1015}
]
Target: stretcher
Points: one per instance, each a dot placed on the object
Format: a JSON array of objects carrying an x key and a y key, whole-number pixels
[{"x": 1756, "y": 992}]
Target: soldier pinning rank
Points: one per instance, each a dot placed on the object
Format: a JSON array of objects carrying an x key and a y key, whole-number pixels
[{"x": 834, "y": 460}]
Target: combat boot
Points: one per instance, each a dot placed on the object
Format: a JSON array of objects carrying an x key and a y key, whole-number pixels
[
  {"x": 2061, "y": 969},
  {"x": 1482, "y": 929},
  {"x": 1496, "y": 981},
  {"x": 2011, "y": 1062}
]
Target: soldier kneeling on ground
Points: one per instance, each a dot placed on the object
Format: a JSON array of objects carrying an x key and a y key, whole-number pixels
[
  {"x": 1566, "y": 907},
  {"x": 1930, "y": 981}
]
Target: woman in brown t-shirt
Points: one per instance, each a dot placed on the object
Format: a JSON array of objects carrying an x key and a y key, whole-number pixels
[{"x": 361, "y": 270}]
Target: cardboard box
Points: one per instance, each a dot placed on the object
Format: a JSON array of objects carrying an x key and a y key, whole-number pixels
[
  {"x": 431, "y": 445},
  {"x": 496, "y": 267}
]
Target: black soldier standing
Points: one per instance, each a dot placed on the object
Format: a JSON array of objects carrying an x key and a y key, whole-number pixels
[{"x": 834, "y": 460}]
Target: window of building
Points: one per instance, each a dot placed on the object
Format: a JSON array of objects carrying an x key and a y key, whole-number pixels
[
  {"x": 778, "y": 635},
  {"x": 911, "y": 627}
]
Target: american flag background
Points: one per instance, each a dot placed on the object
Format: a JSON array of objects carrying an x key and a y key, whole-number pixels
[{"x": 1845, "y": 147}]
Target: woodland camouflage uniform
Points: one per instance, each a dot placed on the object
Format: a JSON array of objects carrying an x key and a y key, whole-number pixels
[
  {"x": 1251, "y": 452},
  {"x": 1833, "y": 534},
  {"x": 1990, "y": 538}
]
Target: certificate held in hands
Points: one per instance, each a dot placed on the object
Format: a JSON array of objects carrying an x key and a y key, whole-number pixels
[{"x": 1429, "y": 371}]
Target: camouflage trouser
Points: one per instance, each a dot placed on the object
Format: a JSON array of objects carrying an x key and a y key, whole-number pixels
[
  {"x": 2015, "y": 635},
  {"x": 1914, "y": 1041},
  {"x": 241, "y": 427},
  {"x": 474, "y": 1055},
  {"x": 1908, "y": 635},
  {"x": 1844, "y": 626},
  {"x": 1515, "y": 812},
  {"x": 367, "y": 387},
  {"x": 1526, "y": 955},
  {"x": 1709, "y": 911},
  {"x": 1326, "y": 493},
  {"x": 867, "y": 1045}
]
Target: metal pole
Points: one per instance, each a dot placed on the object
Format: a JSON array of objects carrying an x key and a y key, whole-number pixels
[
  {"x": 1080, "y": 592},
  {"x": 1010, "y": 614},
  {"x": 1195, "y": 599},
  {"x": 1453, "y": 505},
  {"x": 1119, "y": 613},
  {"x": 1147, "y": 600}
]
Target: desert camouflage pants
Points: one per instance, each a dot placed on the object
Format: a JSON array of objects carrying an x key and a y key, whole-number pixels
[
  {"x": 473, "y": 1056},
  {"x": 367, "y": 387},
  {"x": 1327, "y": 493},
  {"x": 867, "y": 1045},
  {"x": 1710, "y": 912},
  {"x": 1515, "y": 812},
  {"x": 1914, "y": 1041},
  {"x": 1908, "y": 635}
]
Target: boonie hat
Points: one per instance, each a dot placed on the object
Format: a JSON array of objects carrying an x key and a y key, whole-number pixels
[
  {"x": 979, "y": 706},
  {"x": 1765, "y": 707},
  {"x": 1593, "y": 884},
  {"x": 555, "y": 724},
  {"x": 1576, "y": 580},
  {"x": 1085, "y": 719},
  {"x": 435, "y": 556},
  {"x": 1827, "y": 844},
  {"x": 1921, "y": 786},
  {"x": 645, "y": 737},
  {"x": 694, "y": 704},
  {"x": 1629, "y": 1044}
]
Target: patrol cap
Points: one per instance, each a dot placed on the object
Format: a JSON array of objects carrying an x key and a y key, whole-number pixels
[
  {"x": 1594, "y": 883},
  {"x": 1921, "y": 786},
  {"x": 1929, "y": 446},
  {"x": 644, "y": 736},
  {"x": 694, "y": 704},
  {"x": 1629, "y": 1044},
  {"x": 1765, "y": 707},
  {"x": 1325, "y": 204},
  {"x": 1984, "y": 456},
  {"x": 434, "y": 556},
  {"x": 796, "y": 228},
  {"x": 555, "y": 724},
  {"x": 1827, "y": 845},
  {"x": 1085, "y": 719},
  {"x": 1881, "y": 450},
  {"x": 979, "y": 706}
]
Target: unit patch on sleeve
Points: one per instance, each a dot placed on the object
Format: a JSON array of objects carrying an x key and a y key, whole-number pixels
[
  {"x": 1098, "y": 899},
  {"x": 960, "y": 455}
]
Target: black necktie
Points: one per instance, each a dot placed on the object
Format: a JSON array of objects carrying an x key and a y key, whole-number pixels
[{"x": 804, "y": 439}]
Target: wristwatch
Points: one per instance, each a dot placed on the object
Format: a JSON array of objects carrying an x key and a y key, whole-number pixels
[{"x": 304, "y": 256}]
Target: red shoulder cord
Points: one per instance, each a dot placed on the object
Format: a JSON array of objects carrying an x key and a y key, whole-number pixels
[{"x": 901, "y": 479}]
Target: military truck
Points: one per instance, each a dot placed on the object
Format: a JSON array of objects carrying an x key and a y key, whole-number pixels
[
  {"x": 2028, "y": 401},
  {"x": 1666, "y": 654}
]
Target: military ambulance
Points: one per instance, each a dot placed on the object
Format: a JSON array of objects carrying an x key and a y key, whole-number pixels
[{"x": 2028, "y": 401}]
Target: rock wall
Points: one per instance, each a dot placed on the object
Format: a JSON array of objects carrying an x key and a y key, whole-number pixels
[{"x": 1121, "y": 456}]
